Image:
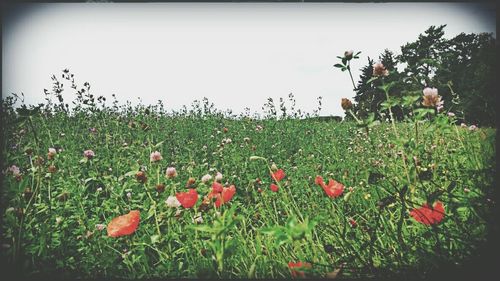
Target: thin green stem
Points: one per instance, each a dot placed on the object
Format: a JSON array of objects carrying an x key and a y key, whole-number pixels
[
  {"x": 350, "y": 74},
  {"x": 154, "y": 209}
]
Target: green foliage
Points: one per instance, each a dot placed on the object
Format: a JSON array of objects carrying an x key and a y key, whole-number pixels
[
  {"x": 291, "y": 231},
  {"x": 56, "y": 207},
  {"x": 461, "y": 68}
]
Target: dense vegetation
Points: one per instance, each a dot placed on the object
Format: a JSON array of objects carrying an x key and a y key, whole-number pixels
[
  {"x": 210, "y": 194},
  {"x": 462, "y": 69}
]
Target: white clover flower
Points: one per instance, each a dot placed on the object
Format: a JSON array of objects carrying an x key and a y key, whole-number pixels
[
  {"x": 52, "y": 152},
  {"x": 89, "y": 154},
  {"x": 206, "y": 178},
  {"x": 15, "y": 170},
  {"x": 218, "y": 176},
  {"x": 171, "y": 172},
  {"x": 172, "y": 202},
  {"x": 155, "y": 156},
  {"x": 379, "y": 70}
]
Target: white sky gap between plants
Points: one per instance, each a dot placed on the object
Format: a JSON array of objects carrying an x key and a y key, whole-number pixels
[{"x": 235, "y": 54}]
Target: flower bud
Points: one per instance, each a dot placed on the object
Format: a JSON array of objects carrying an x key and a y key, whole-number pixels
[
  {"x": 346, "y": 104},
  {"x": 348, "y": 54},
  {"x": 274, "y": 168},
  {"x": 141, "y": 177},
  {"x": 160, "y": 187}
]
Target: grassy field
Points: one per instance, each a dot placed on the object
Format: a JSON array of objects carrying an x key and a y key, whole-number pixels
[{"x": 57, "y": 205}]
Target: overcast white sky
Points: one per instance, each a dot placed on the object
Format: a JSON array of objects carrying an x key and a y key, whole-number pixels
[{"x": 237, "y": 55}]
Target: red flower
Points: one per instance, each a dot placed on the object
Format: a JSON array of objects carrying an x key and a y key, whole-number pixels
[
  {"x": 278, "y": 175},
  {"x": 224, "y": 196},
  {"x": 353, "y": 223},
  {"x": 298, "y": 273},
  {"x": 274, "y": 187},
  {"x": 427, "y": 215},
  {"x": 124, "y": 225},
  {"x": 216, "y": 187},
  {"x": 187, "y": 199},
  {"x": 319, "y": 181},
  {"x": 333, "y": 189}
]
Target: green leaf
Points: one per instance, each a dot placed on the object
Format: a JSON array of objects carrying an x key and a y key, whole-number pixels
[
  {"x": 251, "y": 271},
  {"x": 282, "y": 238},
  {"x": 131, "y": 173},
  {"x": 203, "y": 228},
  {"x": 271, "y": 230},
  {"x": 158, "y": 144},
  {"x": 151, "y": 212},
  {"x": 409, "y": 100},
  {"x": 339, "y": 65},
  {"x": 387, "y": 87},
  {"x": 347, "y": 196},
  {"x": 374, "y": 123},
  {"x": 155, "y": 238},
  {"x": 372, "y": 79}
]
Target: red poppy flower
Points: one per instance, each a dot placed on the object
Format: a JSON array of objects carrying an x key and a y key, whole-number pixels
[
  {"x": 187, "y": 199},
  {"x": 298, "y": 265},
  {"x": 274, "y": 187},
  {"x": 319, "y": 180},
  {"x": 226, "y": 195},
  {"x": 216, "y": 187},
  {"x": 278, "y": 175},
  {"x": 124, "y": 225},
  {"x": 428, "y": 215},
  {"x": 333, "y": 189}
]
